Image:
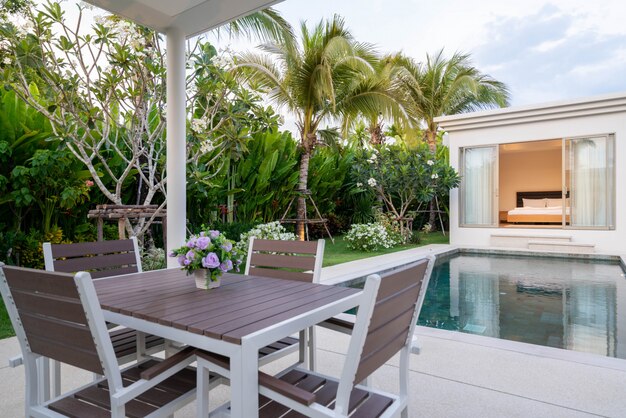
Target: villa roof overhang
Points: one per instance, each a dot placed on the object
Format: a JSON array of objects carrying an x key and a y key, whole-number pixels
[
  {"x": 610, "y": 103},
  {"x": 190, "y": 17}
]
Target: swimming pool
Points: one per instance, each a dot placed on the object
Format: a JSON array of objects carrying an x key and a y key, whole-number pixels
[{"x": 565, "y": 303}]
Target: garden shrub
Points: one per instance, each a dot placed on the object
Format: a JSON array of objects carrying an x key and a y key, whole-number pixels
[
  {"x": 370, "y": 237},
  {"x": 232, "y": 230},
  {"x": 272, "y": 230},
  {"x": 153, "y": 259}
]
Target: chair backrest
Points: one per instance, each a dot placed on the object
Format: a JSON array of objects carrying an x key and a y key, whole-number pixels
[
  {"x": 100, "y": 258},
  {"x": 385, "y": 322},
  {"x": 292, "y": 260},
  {"x": 57, "y": 315}
]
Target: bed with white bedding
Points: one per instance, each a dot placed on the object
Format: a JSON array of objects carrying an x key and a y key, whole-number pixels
[{"x": 539, "y": 207}]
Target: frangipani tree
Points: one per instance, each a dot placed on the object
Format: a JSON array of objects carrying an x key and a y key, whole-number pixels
[
  {"x": 322, "y": 77},
  {"x": 404, "y": 179},
  {"x": 103, "y": 89}
]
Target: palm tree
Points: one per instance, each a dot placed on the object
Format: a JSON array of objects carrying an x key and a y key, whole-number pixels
[
  {"x": 324, "y": 77},
  {"x": 448, "y": 87}
]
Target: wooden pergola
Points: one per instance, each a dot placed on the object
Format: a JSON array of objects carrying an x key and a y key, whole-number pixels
[{"x": 121, "y": 213}]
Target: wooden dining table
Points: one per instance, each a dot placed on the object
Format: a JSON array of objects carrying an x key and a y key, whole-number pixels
[{"x": 236, "y": 320}]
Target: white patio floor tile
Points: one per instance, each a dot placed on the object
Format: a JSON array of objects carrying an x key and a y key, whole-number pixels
[{"x": 449, "y": 379}]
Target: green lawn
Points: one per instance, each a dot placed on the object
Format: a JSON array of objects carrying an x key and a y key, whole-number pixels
[
  {"x": 338, "y": 252},
  {"x": 334, "y": 254},
  {"x": 6, "y": 330}
]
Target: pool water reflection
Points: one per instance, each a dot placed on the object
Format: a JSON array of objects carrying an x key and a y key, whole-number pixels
[{"x": 572, "y": 304}]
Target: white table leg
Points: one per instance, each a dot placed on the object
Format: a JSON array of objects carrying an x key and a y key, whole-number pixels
[{"x": 244, "y": 379}]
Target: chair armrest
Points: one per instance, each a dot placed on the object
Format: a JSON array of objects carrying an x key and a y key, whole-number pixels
[
  {"x": 217, "y": 359},
  {"x": 338, "y": 324},
  {"x": 16, "y": 361},
  {"x": 290, "y": 391},
  {"x": 166, "y": 364}
]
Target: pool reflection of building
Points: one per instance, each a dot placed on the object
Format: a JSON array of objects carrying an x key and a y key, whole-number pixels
[{"x": 562, "y": 304}]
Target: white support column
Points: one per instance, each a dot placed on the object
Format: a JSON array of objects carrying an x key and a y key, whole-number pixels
[{"x": 176, "y": 142}]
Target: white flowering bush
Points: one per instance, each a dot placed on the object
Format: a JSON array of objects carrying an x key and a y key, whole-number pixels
[
  {"x": 272, "y": 230},
  {"x": 369, "y": 237}
]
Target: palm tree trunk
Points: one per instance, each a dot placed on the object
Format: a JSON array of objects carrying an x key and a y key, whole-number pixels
[
  {"x": 303, "y": 184},
  {"x": 431, "y": 137}
]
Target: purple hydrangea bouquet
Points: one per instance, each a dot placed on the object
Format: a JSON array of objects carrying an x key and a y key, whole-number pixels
[{"x": 207, "y": 256}]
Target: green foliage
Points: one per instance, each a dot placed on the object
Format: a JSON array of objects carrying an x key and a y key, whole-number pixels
[
  {"x": 403, "y": 178},
  {"x": 339, "y": 252},
  {"x": 370, "y": 237},
  {"x": 270, "y": 230},
  {"x": 232, "y": 230},
  {"x": 267, "y": 177},
  {"x": 153, "y": 259},
  {"x": 6, "y": 330}
]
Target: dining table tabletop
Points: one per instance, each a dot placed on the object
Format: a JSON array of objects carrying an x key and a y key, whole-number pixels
[{"x": 243, "y": 315}]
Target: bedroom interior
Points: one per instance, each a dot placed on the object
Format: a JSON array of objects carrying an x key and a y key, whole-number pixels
[{"x": 530, "y": 184}]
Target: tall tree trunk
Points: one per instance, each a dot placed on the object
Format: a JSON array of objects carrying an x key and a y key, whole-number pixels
[
  {"x": 432, "y": 216},
  {"x": 230, "y": 199},
  {"x": 302, "y": 186},
  {"x": 376, "y": 133},
  {"x": 431, "y": 139}
]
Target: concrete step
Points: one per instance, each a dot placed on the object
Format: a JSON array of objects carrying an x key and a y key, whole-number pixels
[
  {"x": 562, "y": 247},
  {"x": 521, "y": 240}
]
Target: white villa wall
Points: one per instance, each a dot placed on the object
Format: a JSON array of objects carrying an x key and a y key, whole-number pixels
[{"x": 581, "y": 118}]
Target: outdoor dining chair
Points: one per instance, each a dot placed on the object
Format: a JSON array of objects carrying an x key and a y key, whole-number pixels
[
  {"x": 384, "y": 325},
  {"x": 106, "y": 259},
  {"x": 58, "y": 316},
  {"x": 288, "y": 260}
]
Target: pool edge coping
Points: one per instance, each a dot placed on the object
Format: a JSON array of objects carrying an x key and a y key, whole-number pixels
[
  {"x": 355, "y": 272},
  {"x": 589, "y": 359}
]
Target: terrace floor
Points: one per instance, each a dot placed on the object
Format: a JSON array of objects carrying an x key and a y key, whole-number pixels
[
  {"x": 455, "y": 375},
  {"x": 450, "y": 378}
]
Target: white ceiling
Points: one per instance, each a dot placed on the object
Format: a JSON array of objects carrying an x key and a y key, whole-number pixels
[
  {"x": 531, "y": 146},
  {"x": 191, "y": 17}
]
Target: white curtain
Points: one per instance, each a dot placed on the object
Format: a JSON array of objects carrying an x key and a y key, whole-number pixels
[
  {"x": 590, "y": 189},
  {"x": 479, "y": 182}
]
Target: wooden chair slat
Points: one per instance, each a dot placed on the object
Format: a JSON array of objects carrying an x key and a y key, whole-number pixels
[
  {"x": 282, "y": 261},
  {"x": 75, "y": 408},
  {"x": 65, "y": 353},
  {"x": 373, "y": 407},
  {"x": 31, "y": 280},
  {"x": 296, "y": 393},
  {"x": 72, "y": 265},
  {"x": 79, "y": 336},
  {"x": 82, "y": 249},
  {"x": 369, "y": 365},
  {"x": 282, "y": 274},
  {"x": 37, "y": 303},
  {"x": 377, "y": 339},
  {"x": 99, "y": 274},
  {"x": 294, "y": 247},
  {"x": 100, "y": 396},
  {"x": 402, "y": 279},
  {"x": 393, "y": 306}
]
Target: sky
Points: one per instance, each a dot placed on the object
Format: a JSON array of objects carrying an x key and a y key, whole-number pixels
[{"x": 543, "y": 50}]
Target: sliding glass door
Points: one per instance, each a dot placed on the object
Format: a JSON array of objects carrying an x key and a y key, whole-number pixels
[
  {"x": 588, "y": 182},
  {"x": 479, "y": 186}
]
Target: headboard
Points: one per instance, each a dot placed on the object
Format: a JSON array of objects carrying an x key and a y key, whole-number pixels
[{"x": 556, "y": 194}]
